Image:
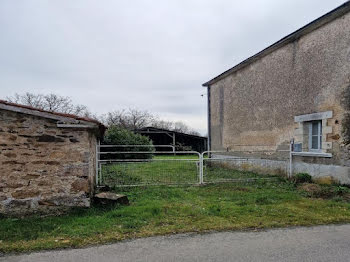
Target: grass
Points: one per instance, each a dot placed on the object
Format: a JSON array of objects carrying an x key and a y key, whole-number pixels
[
  {"x": 167, "y": 210},
  {"x": 161, "y": 171}
]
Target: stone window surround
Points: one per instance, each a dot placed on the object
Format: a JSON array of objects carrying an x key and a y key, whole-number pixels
[{"x": 300, "y": 133}]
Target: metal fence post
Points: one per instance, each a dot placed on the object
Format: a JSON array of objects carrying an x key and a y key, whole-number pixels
[
  {"x": 97, "y": 162},
  {"x": 291, "y": 158},
  {"x": 201, "y": 166},
  {"x": 100, "y": 172}
]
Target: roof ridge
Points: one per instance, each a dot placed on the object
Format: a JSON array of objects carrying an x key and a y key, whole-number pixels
[{"x": 313, "y": 25}]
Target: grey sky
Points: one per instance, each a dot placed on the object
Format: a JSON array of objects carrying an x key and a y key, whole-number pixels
[{"x": 151, "y": 55}]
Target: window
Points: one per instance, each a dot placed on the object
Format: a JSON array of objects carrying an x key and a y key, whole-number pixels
[
  {"x": 311, "y": 133},
  {"x": 315, "y": 135}
]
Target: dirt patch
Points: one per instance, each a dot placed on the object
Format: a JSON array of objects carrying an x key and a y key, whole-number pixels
[
  {"x": 310, "y": 188},
  {"x": 325, "y": 191},
  {"x": 347, "y": 197}
]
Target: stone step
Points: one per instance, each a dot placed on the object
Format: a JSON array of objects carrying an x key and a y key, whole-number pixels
[{"x": 109, "y": 198}]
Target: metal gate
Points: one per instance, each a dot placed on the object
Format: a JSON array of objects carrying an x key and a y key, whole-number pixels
[
  {"x": 136, "y": 165},
  {"x": 243, "y": 166}
]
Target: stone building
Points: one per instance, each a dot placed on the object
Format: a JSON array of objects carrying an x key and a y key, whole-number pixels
[
  {"x": 47, "y": 160},
  {"x": 298, "y": 88}
]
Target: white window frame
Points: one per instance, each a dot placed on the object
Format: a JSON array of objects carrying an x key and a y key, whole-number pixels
[
  {"x": 303, "y": 121},
  {"x": 319, "y": 136}
]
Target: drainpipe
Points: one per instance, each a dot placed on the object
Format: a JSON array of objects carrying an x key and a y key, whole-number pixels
[
  {"x": 291, "y": 148},
  {"x": 208, "y": 116}
]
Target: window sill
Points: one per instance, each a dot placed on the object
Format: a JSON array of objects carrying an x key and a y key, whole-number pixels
[{"x": 315, "y": 154}]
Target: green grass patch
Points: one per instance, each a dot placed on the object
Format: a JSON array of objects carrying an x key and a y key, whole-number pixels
[
  {"x": 166, "y": 210},
  {"x": 160, "y": 171}
]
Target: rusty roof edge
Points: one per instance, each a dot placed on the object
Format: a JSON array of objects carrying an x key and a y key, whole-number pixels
[
  {"x": 4, "y": 105},
  {"x": 315, "y": 24},
  {"x": 46, "y": 114}
]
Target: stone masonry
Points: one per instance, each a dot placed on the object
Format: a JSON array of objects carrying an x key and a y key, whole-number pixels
[{"x": 44, "y": 168}]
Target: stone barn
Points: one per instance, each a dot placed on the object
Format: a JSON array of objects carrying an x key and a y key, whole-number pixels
[
  {"x": 47, "y": 160},
  {"x": 296, "y": 89}
]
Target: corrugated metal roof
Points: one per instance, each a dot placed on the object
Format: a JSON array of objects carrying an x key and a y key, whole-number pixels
[{"x": 167, "y": 131}]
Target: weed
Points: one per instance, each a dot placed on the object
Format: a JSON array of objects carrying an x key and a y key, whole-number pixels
[
  {"x": 302, "y": 178},
  {"x": 341, "y": 190}
]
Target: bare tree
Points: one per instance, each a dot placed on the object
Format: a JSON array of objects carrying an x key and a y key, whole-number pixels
[
  {"x": 139, "y": 119},
  {"x": 181, "y": 127},
  {"x": 130, "y": 119},
  {"x": 163, "y": 124},
  {"x": 29, "y": 99},
  {"x": 51, "y": 102},
  {"x": 55, "y": 103},
  {"x": 116, "y": 118},
  {"x": 133, "y": 119},
  {"x": 81, "y": 110}
]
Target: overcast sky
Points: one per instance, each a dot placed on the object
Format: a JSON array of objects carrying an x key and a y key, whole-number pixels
[{"x": 151, "y": 55}]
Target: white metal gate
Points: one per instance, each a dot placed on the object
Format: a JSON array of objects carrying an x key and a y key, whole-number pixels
[
  {"x": 241, "y": 166},
  {"x": 142, "y": 165},
  {"x": 136, "y": 165}
]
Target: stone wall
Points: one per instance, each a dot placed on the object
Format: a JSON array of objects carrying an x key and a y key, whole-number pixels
[
  {"x": 256, "y": 105},
  {"x": 43, "y": 168}
]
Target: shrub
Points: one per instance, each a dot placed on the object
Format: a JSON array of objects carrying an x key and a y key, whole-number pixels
[
  {"x": 341, "y": 190},
  {"x": 120, "y": 136},
  {"x": 302, "y": 178}
]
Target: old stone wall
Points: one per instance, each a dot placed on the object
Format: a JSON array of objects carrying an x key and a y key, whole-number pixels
[
  {"x": 43, "y": 168},
  {"x": 257, "y": 104}
]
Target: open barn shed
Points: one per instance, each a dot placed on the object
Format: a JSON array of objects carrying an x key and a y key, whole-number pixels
[{"x": 181, "y": 141}]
